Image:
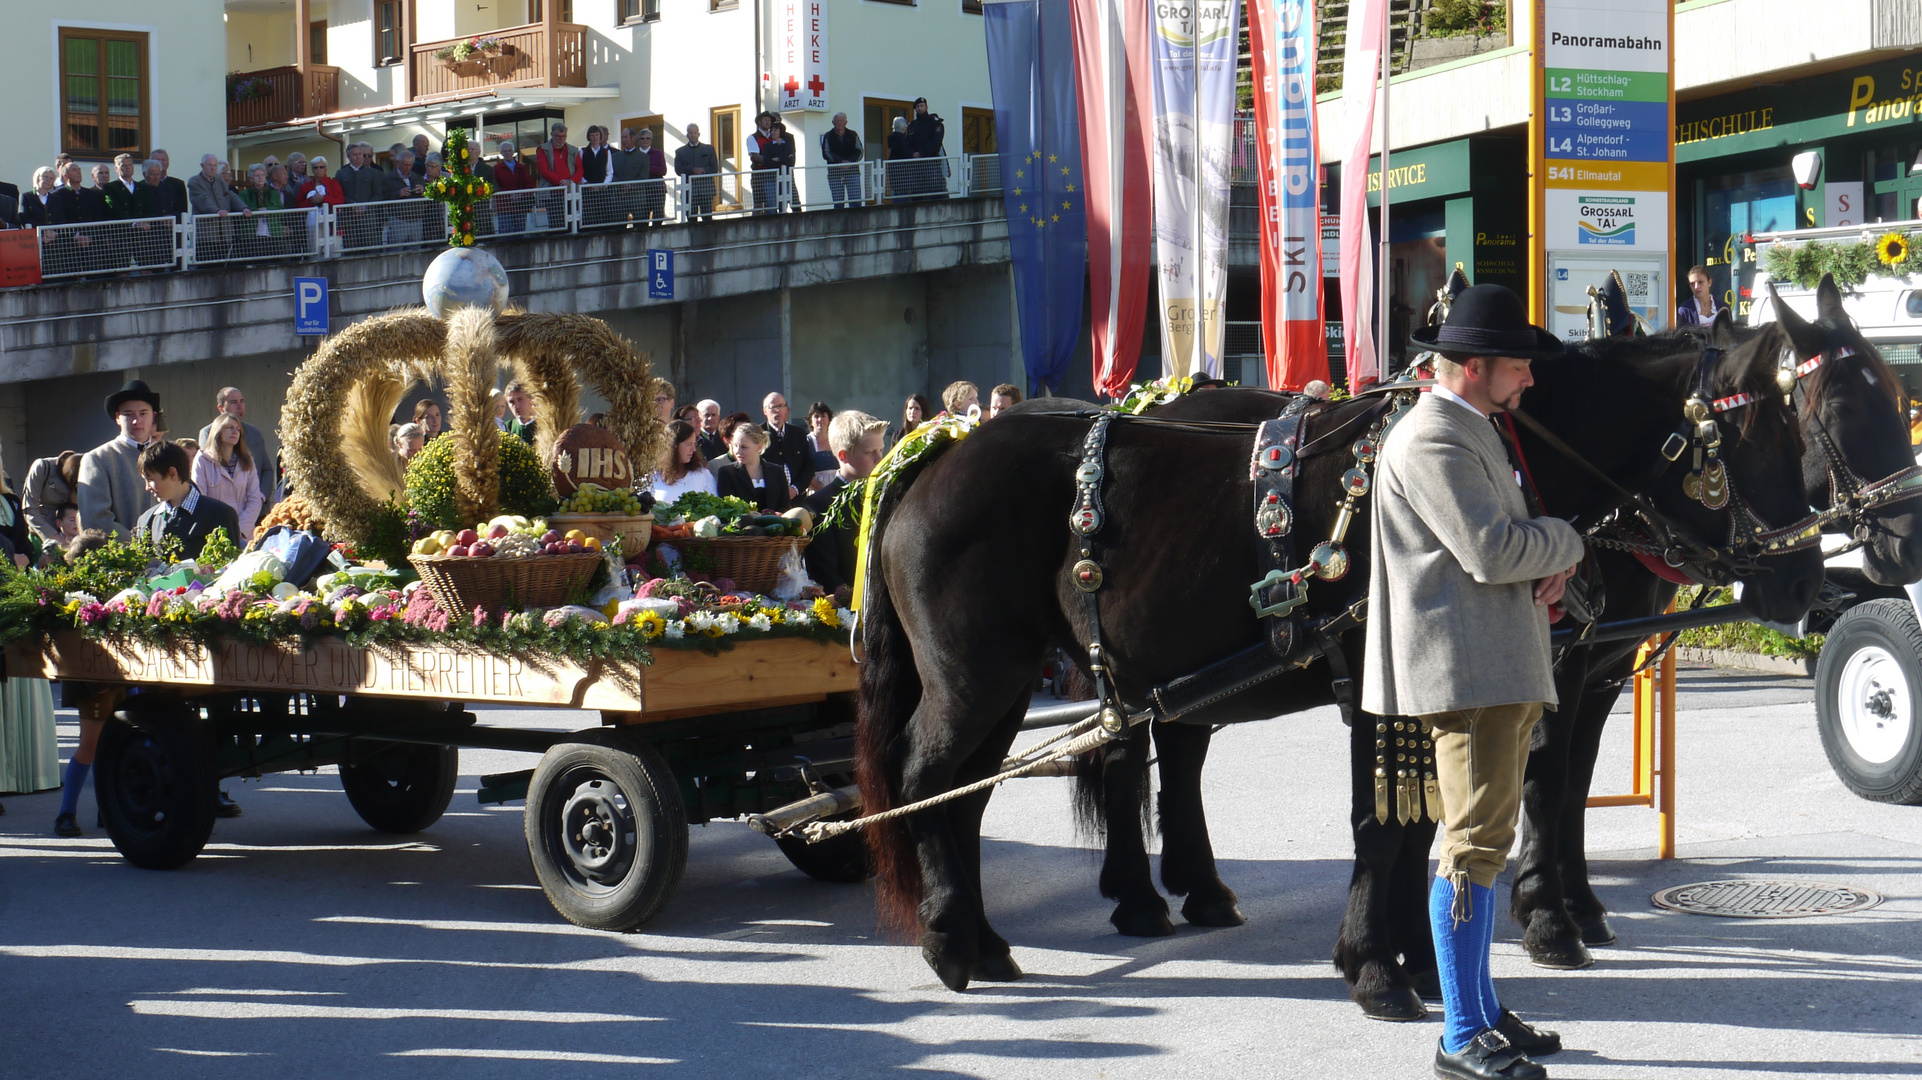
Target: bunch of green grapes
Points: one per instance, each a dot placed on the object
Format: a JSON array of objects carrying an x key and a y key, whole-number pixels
[{"x": 595, "y": 499}]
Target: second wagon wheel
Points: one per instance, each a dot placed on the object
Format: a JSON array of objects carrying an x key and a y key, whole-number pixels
[
  {"x": 156, "y": 784},
  {"x": 606, "y": 830},
  {"x": 401, "y": 787},
  {"x": 1868, "y": 701}
]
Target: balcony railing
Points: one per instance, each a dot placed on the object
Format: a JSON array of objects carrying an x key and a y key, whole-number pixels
[
  {"x": 525, "y": 57},
  {"x": 278, "y": 95}
]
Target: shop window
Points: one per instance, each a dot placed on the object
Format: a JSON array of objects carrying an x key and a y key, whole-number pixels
[
  {"x": 104, "y": 106},
  {"x": 1737, "y": 206},
  {"x": 1895, "y": 182}
]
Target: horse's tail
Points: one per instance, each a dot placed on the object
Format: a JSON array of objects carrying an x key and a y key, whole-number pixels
[{"x": 890, "y": 692}]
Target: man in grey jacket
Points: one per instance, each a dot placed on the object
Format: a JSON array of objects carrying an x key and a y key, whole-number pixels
[
  {"x": 112, "y": 493},
  {"x": 1460, "y": 582}
]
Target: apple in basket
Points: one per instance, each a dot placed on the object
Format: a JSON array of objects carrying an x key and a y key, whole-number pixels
[
  {"x": 466, "y": 538},
  {"x": 497, "y": 532},
  {"x": 552, "y": 536},
  {"x": 481, "y": 550},
  {"x": 457, "y": 551}
]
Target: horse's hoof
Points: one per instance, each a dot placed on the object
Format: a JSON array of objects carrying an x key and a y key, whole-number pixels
[
  {"x": 1560, "y": 954},
  {"x": 1397, "y": 1003},
  {"x": 1142, "y": 922},
  {"x": 997, "y": 967},
  {"x": 1597, "y": 932},
  {"x": 952, "y": 971},
  {"x": 1427, "y": 984},
  {"x": 1212, "y": 911}
]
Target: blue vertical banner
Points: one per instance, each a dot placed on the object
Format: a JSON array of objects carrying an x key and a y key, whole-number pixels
[{"x": 1031, "y": 65}]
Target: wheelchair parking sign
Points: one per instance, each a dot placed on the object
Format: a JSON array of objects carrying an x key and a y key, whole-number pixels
[{"x": 660, "y": 274}]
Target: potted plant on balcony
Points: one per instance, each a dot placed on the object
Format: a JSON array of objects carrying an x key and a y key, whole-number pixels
[
  {"x": 244, "y": 86},
  {"x": 472, "y": 56}
]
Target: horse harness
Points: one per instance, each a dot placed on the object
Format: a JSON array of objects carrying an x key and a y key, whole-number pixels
[
  {"x": 1294, "y": 640},
  {"x": 1851, "y": 497}
]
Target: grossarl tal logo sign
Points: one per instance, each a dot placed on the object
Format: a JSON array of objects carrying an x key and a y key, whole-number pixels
[{"x": 1607, "y": 221}]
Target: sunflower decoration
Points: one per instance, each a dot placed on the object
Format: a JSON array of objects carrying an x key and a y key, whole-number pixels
[
  {"x": 460, "y": 189},
  {"x": 1892, "y": 248}
]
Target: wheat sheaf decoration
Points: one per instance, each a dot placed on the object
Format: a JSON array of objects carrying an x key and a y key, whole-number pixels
[{"x": 334, "y": 424}]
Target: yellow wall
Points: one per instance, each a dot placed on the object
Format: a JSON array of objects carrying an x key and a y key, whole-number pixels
[
  {"x": 256, "y": 41},
  {"x": 187, "y": 112}
]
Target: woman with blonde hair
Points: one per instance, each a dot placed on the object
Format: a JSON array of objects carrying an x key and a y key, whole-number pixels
[
  {"x": 29, "y": 751},
  {"x": 224, "y": 470}
]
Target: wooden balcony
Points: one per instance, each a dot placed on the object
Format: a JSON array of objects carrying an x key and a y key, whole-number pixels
[
  {"x": 282, "y": 94},
  {"x": 527, "y": 57}
]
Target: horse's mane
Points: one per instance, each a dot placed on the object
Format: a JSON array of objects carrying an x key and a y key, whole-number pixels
[{"x": 1669, "y": 359}]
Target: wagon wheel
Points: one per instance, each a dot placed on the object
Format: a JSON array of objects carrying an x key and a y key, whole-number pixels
[
  {"x": 157, "y": 788},
  {"x": 403, "y": 787},
  {"x": 1868, "y": 701},
  {"x": 606, "y": 830}
]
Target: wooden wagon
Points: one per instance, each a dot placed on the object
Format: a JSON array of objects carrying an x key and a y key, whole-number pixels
[{"x": 686, "y": 739}]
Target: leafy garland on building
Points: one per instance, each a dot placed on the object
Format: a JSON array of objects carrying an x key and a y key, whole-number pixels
[
  {"x": 460, "y": 189},
  {"x": 1891, "y": 254}
]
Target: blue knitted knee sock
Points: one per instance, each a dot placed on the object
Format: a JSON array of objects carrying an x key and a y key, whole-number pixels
[
  {"x": 1491, "y": 1005},
  {"x": 70, "y": 787},
  {"x": 1461, "y": 959}
]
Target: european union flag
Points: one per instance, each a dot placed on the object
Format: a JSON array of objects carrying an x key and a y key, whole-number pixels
[{"x": 1031, "y": 64}]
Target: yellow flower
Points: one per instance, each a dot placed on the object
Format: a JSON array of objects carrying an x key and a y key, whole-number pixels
[
  {"x": 651, "y": 624},
  {"x": 1892, "y": 248},
  {"x": 824, "y": 611},
  {"x": 463, "y": 153}
]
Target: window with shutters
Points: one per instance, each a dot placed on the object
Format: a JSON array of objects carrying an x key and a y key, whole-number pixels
[{"x": 104, "y": 104}]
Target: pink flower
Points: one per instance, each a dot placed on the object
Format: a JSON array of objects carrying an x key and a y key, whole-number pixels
[
  {"x": 480, "y": 617},
  {"x": 649, "y": 590},
  {"x": 383, "y": 613},
  {"x": 157, "y": 606},
  {"x": 92, "y": 613},
  {"x": 555, "y": 618}
]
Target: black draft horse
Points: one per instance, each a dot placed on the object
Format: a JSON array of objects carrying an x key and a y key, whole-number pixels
[
  {"x": 972, "y": 587},
  {"x": 1851, "y": 398}
]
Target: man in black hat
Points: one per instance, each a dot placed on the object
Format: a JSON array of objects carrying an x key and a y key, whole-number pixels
[
  {"x": 1459, "y": 586},
  {"x": 112, "y": 494},
  {"x": 926, "y": 133}
]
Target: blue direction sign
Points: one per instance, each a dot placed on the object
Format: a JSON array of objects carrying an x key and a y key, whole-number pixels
[
  {"x": 310, "y": 306},
  {"x": 660, "y": 274}
]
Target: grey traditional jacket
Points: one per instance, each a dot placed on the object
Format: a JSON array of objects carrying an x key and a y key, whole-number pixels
[
  {"x": 112, "y": 493},
  {"x": 1452, "y": 618},
  {"x": 43, "y": 496}
]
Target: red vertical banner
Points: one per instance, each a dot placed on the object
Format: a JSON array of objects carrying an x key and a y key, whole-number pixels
[
  {"x": 19, "y": 257},
  {"x": 1281, "y": 38},
  {"x": 1116, "y": 102}
]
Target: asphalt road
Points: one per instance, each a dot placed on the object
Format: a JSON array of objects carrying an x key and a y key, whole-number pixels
[{"x": 302, "y": 944}]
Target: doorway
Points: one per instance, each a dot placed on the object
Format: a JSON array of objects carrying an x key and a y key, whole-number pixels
[{"x": 724, "y": 126}]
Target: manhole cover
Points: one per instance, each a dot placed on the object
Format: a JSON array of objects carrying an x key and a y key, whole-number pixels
[{"x": 1749, "y": 899}]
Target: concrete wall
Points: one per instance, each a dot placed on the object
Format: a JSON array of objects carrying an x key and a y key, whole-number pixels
[{"x": 186, "y": 94}]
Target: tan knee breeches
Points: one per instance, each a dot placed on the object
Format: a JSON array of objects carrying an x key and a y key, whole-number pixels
[{"x": 1480, "y": 755}]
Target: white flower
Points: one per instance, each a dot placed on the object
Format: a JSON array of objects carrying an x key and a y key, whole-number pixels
[
  {"x": 799, "y": 616},
  {"x": 82, "y": 598},
  {"x": 760, "y": 621},
  {"x": 700, "y": 620},
  {"x": 728, "y": 623},
  {"x": 845, "y": 616},
  {"x": 677, "y": 629}
]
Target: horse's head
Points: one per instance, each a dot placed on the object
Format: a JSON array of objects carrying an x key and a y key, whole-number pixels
[
  {"x": 1853, "y": 412},
  {"x": 1733, "y": 412}
]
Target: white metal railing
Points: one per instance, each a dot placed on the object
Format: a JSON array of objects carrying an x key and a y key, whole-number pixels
[
  {"x": 263, "y": 234},
  {"x": 324, "y": 232},
  {"x": 629, "y": 204},
  {"x": 108, "y": 247},
  {"x": 391, "y": 224}
]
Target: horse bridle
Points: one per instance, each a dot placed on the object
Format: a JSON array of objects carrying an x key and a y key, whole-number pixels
[
  {"x": 1850, "y": 497},
  {"x": 1750, "y": 539}
]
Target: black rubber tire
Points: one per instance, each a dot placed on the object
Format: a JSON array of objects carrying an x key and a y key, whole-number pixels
[
  {"x": 843, "y": 860},
  {"x": 1873, "y": 658},
  {"x": 622, "y": 874},
  {"x": 157, "y": 788},
  {"x": 404, "y": 787}
]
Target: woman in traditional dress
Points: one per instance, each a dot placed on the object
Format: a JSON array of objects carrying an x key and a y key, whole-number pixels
[{"x": 29, "y": 752}]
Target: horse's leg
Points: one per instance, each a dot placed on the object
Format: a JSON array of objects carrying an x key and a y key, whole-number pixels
[
  {"x": 1187, "y": 857},
  {"x": 1126, "y": 876},
  {"x": 994, "y": 960},
  {"x": 1536, "y": 900},
  {"x": 1366, "y": 950},
  {"x": 1408, "y": 925},
  {"x": 1587, "y": 909}
]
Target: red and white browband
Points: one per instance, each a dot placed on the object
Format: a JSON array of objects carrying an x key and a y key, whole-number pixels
[{"x": 1813, "y": 362}]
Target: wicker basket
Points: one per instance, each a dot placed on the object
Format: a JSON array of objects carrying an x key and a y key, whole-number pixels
[
  {"x": 634, "y": 530},
  {"x": 754, "y": 562},
  {"x": 461, "y": 584}
]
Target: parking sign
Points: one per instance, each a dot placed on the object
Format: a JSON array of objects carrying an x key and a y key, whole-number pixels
[
  {"x": 310, "y": 306},
  {"x": 660, "y": 274}
]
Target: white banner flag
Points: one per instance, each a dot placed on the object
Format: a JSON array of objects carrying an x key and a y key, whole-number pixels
[{"x": 1194, "y": 138}]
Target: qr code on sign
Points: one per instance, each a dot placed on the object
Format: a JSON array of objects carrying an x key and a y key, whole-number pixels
[{"x": 1637, "y": 287}]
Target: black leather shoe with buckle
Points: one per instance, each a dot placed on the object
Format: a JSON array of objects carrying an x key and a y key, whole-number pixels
[
  {"x": 1526, "y": 1037},
  {"x": 1487, "y": 1056}
]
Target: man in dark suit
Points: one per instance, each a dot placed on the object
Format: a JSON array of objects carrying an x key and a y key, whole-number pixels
[
  {"x": 158, "y": 195},
  {"x": 787, "y": 445},
  {"x": 123, "y": 190},
  {"x": 175, "y": 188},
  {"x": 182, "y": 512}
]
